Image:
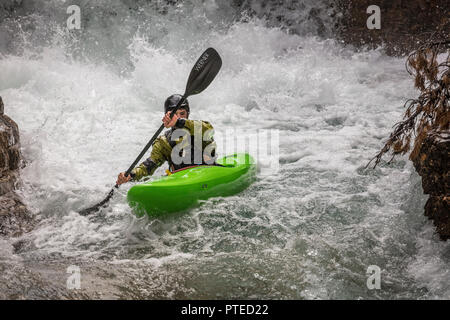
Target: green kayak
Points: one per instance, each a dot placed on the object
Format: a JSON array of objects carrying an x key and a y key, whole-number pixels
[{"x": 184, "y": 188}]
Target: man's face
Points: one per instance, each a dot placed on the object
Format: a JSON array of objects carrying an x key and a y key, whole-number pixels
[{"x": 182, "y": 113}]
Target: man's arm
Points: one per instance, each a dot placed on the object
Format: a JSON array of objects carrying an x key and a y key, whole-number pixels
[
  {"x": 148, "y": 167},
  {"x": 156, "y": 159}
]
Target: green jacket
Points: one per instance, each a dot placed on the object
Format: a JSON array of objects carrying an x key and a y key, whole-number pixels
[{"x": 163, "y": 146}]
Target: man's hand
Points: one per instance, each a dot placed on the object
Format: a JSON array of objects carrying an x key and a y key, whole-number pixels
[
  {"x": 122, "y": 179},
  {"x": 169, "y": 123}
]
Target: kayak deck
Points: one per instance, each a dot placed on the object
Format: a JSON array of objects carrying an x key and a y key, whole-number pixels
[{"x": 183, "y": 189}]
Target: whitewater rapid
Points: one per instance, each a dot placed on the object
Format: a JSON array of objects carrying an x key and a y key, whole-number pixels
[{"x": 86, "y": 103}]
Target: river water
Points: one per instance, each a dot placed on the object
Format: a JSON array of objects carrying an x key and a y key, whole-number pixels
[{"x": 88, "y": 100}]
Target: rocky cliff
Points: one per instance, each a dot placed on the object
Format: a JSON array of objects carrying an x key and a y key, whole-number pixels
[
  {"x": 426, "y": 125},
  {"x": 14, "y": 216},
  {"x": 404, "y": 23},
  {"x": 432, "y": 163}
]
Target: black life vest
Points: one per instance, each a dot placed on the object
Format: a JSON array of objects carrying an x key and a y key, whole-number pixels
[{"x": 192, "y": 149}]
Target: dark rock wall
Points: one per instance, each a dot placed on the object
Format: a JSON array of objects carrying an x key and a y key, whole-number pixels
[
  {"x": 404, "y": 23},
  {"x": 14, "y": 216},
  {"x": 432, "y": 164}
]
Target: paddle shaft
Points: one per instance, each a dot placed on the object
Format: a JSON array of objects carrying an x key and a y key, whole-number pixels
[{"x": 161, "y": 128}]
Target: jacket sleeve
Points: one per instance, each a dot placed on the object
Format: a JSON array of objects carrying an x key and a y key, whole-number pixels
[{"x": 156, "y": 159}]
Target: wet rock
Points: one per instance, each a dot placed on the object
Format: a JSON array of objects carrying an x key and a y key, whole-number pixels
[
  {"x": 335, "y": 121},
  {"x": 404, "y": 24},
  {"x": 437, "y": 208},
  {"x": 15, "y": 218},
  {"x": 252, "y": 105},
  {"x": 432, "y": 164}
]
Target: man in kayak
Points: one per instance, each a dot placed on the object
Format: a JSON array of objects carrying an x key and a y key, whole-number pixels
[{"x": 172, "y": 141}]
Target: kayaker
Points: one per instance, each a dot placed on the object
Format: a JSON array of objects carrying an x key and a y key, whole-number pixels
[{"x": 164, "y": 144}]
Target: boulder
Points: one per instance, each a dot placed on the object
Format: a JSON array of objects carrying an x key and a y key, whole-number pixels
[
  {"x": 432, "y": 164},
  {"x": 15, "y": 218}
]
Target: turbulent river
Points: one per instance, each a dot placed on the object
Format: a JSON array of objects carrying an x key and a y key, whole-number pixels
[{"x": 88, "y": 100}]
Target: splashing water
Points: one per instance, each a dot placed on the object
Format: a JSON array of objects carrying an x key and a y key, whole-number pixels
[{"x": 88, "y": 100}]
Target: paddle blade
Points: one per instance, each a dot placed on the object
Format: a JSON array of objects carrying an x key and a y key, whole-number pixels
[
  {"x": 99, "y": 205},
  {"x": 203, "y": 72}
]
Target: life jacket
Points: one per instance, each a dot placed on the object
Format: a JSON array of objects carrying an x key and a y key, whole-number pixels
[{"x": 192, "y": 148}]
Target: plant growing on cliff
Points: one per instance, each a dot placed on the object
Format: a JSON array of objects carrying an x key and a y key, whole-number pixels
[{"x": 430, "y": 111}]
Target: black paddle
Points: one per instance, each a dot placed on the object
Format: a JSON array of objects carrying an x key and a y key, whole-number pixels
[{"x": 202, "y": 74}]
